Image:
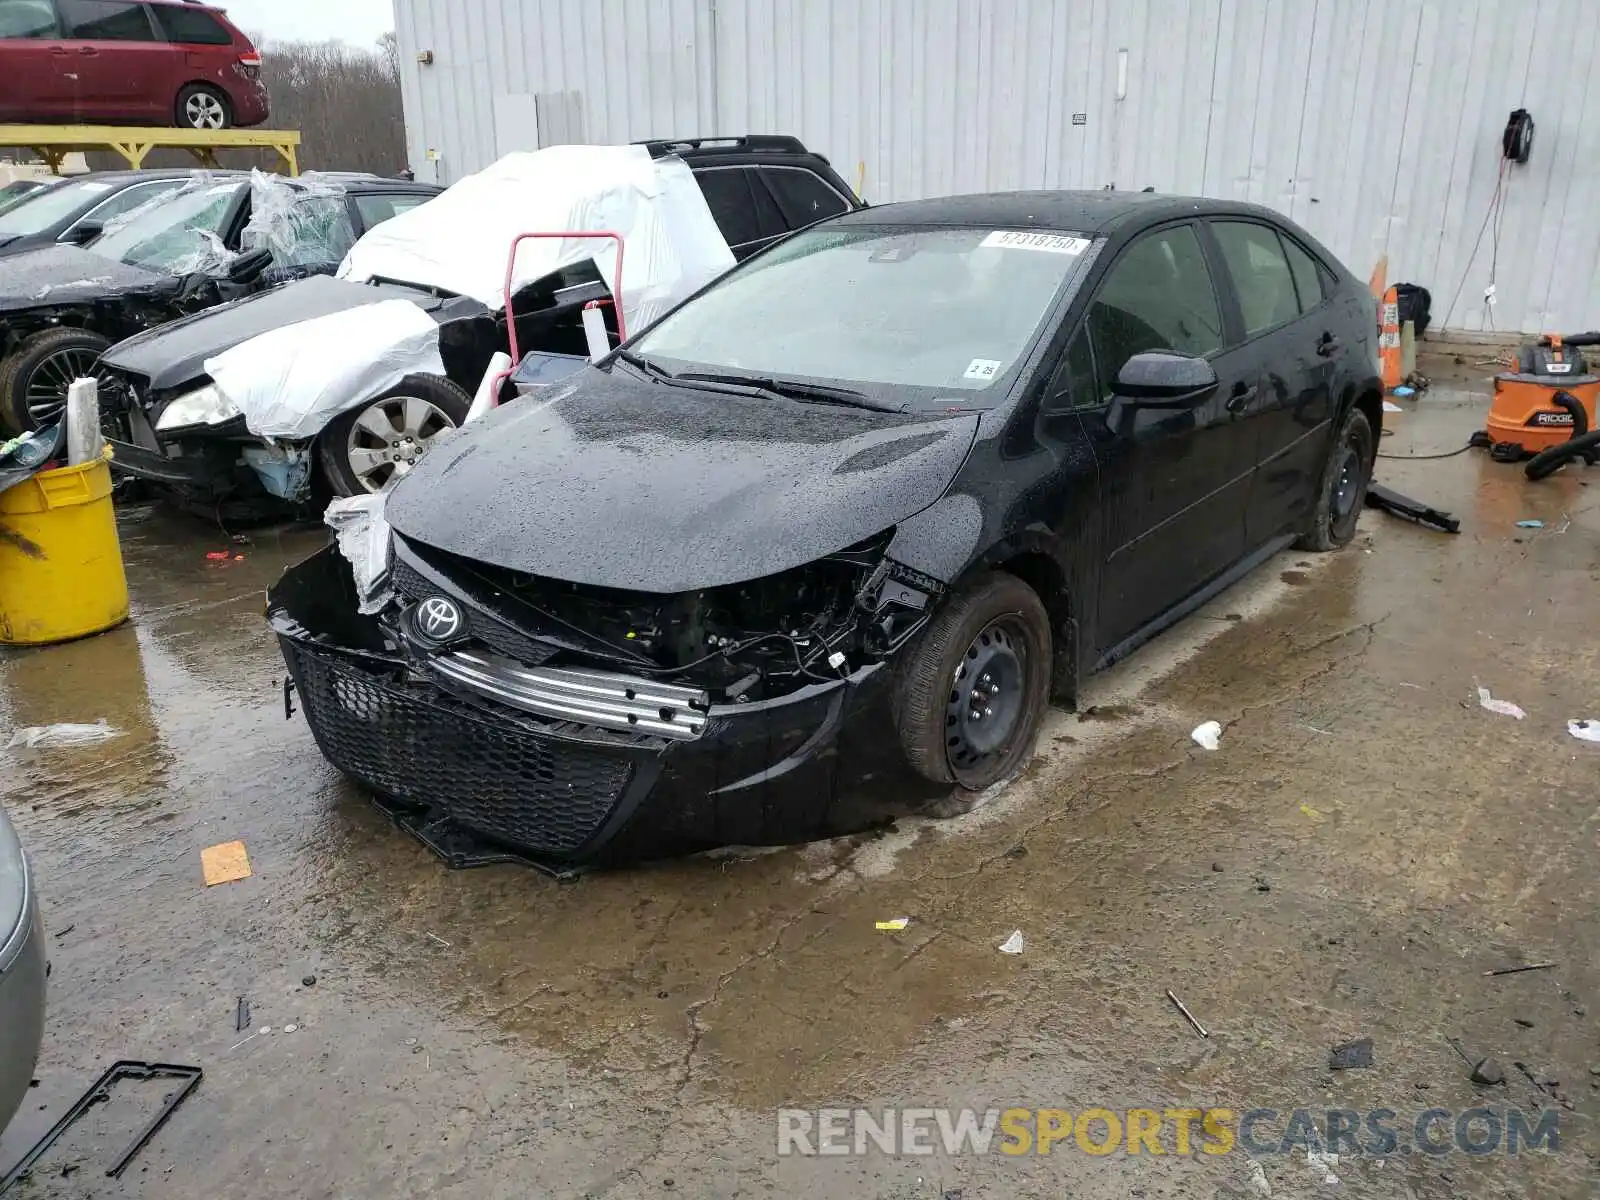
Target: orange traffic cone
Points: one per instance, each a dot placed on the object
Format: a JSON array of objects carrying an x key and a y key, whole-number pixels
[{"x": 1389, "y": 357}]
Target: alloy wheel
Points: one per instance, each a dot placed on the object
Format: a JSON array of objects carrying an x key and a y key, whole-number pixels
[
  {"x": 986, "y": 696},
  {"x": 205, "y": 111},
  {"x": 46, "y": 396},
  {"x": 390, "y": 438}
]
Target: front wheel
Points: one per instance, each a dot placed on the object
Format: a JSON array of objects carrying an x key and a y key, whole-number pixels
[
  {"x": 1343, "y": 490},
  {"x": 372, "y": 446},
  {"x": 34, "y": 380},
  {"x": 971, "y": 692}
]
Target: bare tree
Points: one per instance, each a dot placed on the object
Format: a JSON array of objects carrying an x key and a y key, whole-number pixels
[
  {"x": 345, "y": 102},
  {"x": 389, "y": 47}
]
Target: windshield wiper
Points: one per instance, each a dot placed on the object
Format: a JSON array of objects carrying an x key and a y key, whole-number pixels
[
  {"x": 640, "y": 363},
  {"x": 819, "y": 393}
]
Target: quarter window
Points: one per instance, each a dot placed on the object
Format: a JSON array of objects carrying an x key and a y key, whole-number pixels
[
  {"x": 1307, "y": 279},
  {"x": 803, "y": 196},
  {"x": 27, "y": 19},
  {"x": 1074, "y": 385},
  {"x": 1260, "y": 274},
  {"x": 191, "y": 26},
  {"x": 1158, "y": 295},
  {"x": 105, "y": 21}
]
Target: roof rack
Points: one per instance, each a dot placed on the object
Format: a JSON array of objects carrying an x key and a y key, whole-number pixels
[{"x": 777, "y": 143}]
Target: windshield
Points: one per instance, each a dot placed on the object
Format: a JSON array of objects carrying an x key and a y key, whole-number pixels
[
  {"x": 40, "y": 210},
  {"x": 898, "y": 312},
  {"x": 177, "y": 233}
]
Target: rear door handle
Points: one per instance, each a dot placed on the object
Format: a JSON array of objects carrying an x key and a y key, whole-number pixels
[
  {"x": 1329, "y": 345},
  {"x": 87, "y": 50},
  {"x": 1240, "y": 397}
]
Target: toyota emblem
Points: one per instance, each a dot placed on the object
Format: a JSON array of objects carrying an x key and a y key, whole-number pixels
[{"x": 438, "y": 619}]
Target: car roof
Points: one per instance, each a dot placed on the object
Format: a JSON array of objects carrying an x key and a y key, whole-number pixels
[
  {"x": 138, "y": 176},
  {"x": 1076, "y": 212}
]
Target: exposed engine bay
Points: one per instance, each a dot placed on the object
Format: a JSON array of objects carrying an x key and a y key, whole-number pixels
[{"x": 739, "y": 643}]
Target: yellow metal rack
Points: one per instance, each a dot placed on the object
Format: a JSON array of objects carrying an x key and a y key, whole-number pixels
[{"x": 54, "y": 142}]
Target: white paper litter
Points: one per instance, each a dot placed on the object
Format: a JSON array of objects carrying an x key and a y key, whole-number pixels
[
  {"x": 1208, "y": 735},
  {"x": 364, "y": 540},
  {"x": 1504, "y": 707},
  {"x": 290, "y": 382},
  {"x": 1322, "y": 1163},
  {"x": 1584, "y": 731},
  {"x": 461, "y": 240},
  {"x": 1258, "y": 1178},
  {"x": 1391, "y": 406},
  {"x": 1013, "y": 944},
  {"x": 44, "y": 737}
]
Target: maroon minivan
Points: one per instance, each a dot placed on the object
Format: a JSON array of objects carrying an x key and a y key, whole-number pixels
[{"x": 127, "y": 62}]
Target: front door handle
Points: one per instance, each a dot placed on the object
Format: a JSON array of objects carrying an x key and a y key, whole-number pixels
[
  {"x": 87, "y": 50},
  {"x": 1329, "y": 345},
  {"x": 1240, "y": 397}
]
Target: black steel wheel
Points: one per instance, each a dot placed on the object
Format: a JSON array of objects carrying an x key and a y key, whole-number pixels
[
  {"x": 34, "y": 380},
  {"x": 1343, "y": 491},
  {"x": 971, "y": 692}
]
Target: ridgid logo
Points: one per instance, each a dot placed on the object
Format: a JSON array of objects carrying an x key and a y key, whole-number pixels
[{"x": 1333, "y": 1132}]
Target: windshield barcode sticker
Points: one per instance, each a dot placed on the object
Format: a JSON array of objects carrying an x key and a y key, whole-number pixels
[
  {"x": 1050, "y": 243},
  {"x": 981, "y": 368}
]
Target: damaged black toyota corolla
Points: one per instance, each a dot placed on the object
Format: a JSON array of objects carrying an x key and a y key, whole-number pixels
[{"x": 839, "y": 526}]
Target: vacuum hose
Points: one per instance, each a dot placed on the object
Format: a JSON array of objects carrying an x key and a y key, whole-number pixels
[{"x": 1582, "y": 443}]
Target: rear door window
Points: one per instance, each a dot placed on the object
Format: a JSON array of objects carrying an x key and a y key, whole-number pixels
[
  {"x": 1307, "y": 279},
  {"x": 1260, "y": 274},
  {"x": 191, "y": 26},
  {"x": 105, "y": 21},
  {"x": 27, "y": 19},
  {"x": 1158, "y": 295},
  {"x": 803, "y": 195},
  {"x": 728, "y": 195}
]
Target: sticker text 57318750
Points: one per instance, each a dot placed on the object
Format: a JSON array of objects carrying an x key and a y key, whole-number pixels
[{"x": 1049, "y": 243}]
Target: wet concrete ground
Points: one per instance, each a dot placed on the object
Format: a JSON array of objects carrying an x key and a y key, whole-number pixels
[{"x": 1365, "y": 844}]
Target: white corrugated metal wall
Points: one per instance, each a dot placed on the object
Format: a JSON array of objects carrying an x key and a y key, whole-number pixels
[{"x": 1375, "y": 123}]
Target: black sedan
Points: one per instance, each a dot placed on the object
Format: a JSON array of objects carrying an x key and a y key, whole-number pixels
[
  {"x": 842, "y": 524},
  {"x": 75, "y": 211}
]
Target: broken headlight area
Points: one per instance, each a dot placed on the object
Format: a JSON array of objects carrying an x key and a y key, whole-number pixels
[
  {"x": 739, "y": 643},
  {"x": 515, "y": 722}
]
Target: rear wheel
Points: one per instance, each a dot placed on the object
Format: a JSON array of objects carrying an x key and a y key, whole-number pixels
[
  {"x": 368, "y": 448},
  {"x": 972, "y": 691},
  {"x": 202, "y": 107},
  {"x": 34, "y": 380},
  {"x": 1344, "y": 485}
]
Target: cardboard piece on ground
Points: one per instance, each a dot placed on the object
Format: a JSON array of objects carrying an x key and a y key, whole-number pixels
[{"x": 225, "y": 863}]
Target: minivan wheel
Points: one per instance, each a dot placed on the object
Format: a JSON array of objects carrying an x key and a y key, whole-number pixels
[
  {"x": 1344, "y": 486},
  {"x": 972, "y": 690},
  {"x": 202, "y": 107},
  {"x": 372, "y": 446},
  {"x": 34, "y": 380}
]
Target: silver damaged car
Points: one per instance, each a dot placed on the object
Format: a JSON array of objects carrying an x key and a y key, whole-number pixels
[{"x": 22, "y": 973}]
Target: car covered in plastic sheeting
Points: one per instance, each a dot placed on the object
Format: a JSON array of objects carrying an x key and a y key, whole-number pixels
[
  {"x": 219, "y": 237},
  {"x": 330, "y": 387},
  {"x": 833, "y": 531}
]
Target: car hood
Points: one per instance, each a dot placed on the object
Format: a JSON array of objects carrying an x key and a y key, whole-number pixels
[
  {"x": 175, "y": 354},
  {"x": 67, "y": 275},
  {"x": 657, "y": 488}
]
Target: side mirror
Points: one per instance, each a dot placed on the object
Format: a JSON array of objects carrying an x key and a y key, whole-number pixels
[
  {"x": 1159, "y": 377},
  {"x": 83, "y": 233},
  {"x": 249, "y": 265}
]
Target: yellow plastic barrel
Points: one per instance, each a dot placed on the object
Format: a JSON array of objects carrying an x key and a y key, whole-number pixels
[{"x": 61, "y": 574}]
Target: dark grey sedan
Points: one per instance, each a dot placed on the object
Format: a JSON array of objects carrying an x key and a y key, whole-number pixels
[{"x": 22, "y": 973}]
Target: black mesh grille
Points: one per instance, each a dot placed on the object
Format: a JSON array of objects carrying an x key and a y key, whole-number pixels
[
  {"x": 492, "y": 775},
  {"x": 413, "y": 586}
]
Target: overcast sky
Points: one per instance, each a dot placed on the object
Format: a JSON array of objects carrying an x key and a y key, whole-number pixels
[{"x": 358, "y": 22}]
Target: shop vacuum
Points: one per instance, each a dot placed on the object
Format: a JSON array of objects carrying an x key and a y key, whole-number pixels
[{"x": 1545, "y": 410}]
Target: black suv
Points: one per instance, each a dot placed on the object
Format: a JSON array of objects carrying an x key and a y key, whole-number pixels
[{"x": 762, "y": 186}]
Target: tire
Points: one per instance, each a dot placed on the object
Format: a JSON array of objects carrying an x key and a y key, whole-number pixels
[
  {"x": 969, "y": 640},
  {"x": 348, "y": 473},
  {"x": 1343, "y": 490},
  {"x": 202, "y": 107},
  {"x": 34, "y": 379}
]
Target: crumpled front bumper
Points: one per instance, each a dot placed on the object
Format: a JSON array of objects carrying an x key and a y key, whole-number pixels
[{"x": 821, "y": 761}]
